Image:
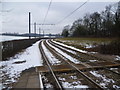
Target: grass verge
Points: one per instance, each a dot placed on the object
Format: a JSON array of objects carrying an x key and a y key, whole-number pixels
[{"x": 101, "y": 45}]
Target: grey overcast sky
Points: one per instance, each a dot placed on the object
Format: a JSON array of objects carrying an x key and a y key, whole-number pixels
[{"x": 16, "y": 20}]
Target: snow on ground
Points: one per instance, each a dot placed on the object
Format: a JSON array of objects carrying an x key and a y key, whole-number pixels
[
  {"x": 74, "y": 84},
  {"x": 104, "y": 79},
  {"x": 115, "y": 69},
  {"x": 31, "y": 57},
  {"x": 73, "y": 52},
  {"x": 70, "y": 47},
  {"x": 93, "y": 60},
  {"x": 71, "y": 85},
  {"x": 64, "y": 54},
  {"x": 88, "y": 46},
  {"x": 50, "y": 56},
  {"x": 79, "y": 50},
  {"x": 48, "y": 85},
  {"x": 117, "y": 58}
]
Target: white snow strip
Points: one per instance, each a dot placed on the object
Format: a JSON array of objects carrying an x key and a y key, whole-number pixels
[
  {"x": 64, "y": 54},
  {"x": 70, "y": 47},
  {"x": 114, "y": 69},
  {"x": 92, "y": 60},
  {"x": 32, "y": 57},
  {"x": 73, "y": 52},
  {"x": 50, "y": 56}
]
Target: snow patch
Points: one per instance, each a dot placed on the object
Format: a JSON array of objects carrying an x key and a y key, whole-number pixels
[
  {"x": 92, "y": 60},
  {"x": 75, "y": 84},
  {"x": 48, "y": 85},
  {"x": 114, "y": 69},
  {"x": 115, "y": 86},
  {"x": 104, "y": 79},
  {"x": 62, "y": 79},
  {"x": 117, "y": 58},
  {"x": 73, "y": 77}
]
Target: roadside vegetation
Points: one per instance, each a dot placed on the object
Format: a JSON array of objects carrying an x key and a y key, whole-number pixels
[
  {"x": 101, "y": 45},
  {"x": 104, "y": 24},
  {"x": 101, "y": 32},
  {"x": 112, "y": 48}
]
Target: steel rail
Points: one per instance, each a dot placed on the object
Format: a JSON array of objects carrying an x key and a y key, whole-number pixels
[
  {"x": 46, "y": 60},
  {"x": 40, "y": 79},
  {"x": 61, "y": 48},
  {"x": 112, "y": 71},
  {"x": 78, "y": 56},
  {"x": 79, "y": 51},
  {"x": 77, "y": 69}
]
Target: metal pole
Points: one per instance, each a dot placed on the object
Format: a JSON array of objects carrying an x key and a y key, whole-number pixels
[
  {"x": 35, "y": 29},
  {"x": 43, "y": 33},
  {"x": 119, "y": 8},
  {"x": 39, "y": 32},
  {"x": 29, "y": 24}
]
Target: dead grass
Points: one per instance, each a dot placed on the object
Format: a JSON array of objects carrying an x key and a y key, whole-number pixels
[
  {"x": 88, "y": 44},
  {"x": 97, "y": 40}
]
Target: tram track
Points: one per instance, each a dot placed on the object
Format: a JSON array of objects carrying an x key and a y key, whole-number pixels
[
  {"x": 58, "y": 85},
  {"x": 65, "y": 61},
  {"x": 78, "y": 57},
  {"x": 60, "y": 46},
  {"x": 73, "y": 66}
]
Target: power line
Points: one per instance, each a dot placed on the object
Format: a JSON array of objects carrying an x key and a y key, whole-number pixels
[
  {"x": 47, "y": 11},
  {"x": 72, "y": 12}
]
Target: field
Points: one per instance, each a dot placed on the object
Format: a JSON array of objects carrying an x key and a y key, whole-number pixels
[{"x": 88, "y": 44}]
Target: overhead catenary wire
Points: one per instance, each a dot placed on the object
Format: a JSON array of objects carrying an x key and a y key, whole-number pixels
[
  {"x": 72, "y": 12},
  {"x": 47, "y": 12}
]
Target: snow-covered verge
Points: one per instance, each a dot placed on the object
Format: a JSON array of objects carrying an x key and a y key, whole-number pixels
[
  {"x": 85, "y": 43},
  {"x": 12, "y": 68},
  {"x": 83, "y": 51}
]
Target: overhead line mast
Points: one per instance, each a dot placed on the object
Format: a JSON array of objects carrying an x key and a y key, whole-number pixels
[{"x": 29, "y": 24}]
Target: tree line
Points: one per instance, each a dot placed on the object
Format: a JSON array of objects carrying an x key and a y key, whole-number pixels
[{"x": 97, "y": 24}]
